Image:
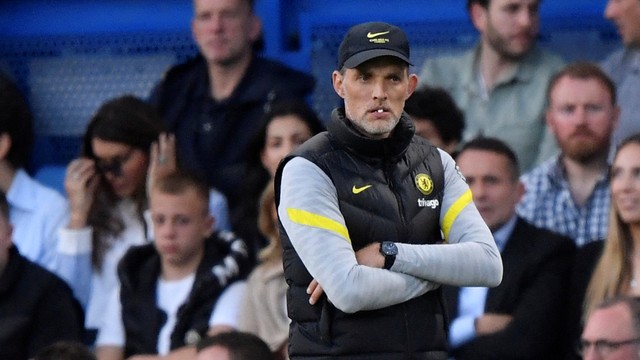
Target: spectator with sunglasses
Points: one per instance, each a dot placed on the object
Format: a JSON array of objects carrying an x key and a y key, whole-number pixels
[
  {"x": 106, "y": 188},
  {"x": 106, "y": 191}
]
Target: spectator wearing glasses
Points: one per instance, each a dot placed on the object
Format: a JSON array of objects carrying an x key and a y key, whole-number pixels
[
  {"x": 612, "y": 331},
  {"x": 107, "y": 195},
  {"x": 106, "y": 191}
]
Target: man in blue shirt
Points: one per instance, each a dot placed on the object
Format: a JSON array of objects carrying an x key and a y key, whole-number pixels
[{"x": 522, "y": 317}]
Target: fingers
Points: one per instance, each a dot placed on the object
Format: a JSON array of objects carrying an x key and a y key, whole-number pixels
[
  {"x": 80, "y": 171},
  {"x": 162, "y": 159},
  {"x": 165, "y": 150},
  {"x": 315, "y": 291}
]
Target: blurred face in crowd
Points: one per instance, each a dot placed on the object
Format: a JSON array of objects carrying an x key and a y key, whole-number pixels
[
  {"x": 626, "y": 15},
  {"x": 374, "y": 94},
  {"x": 495, "y": 189},
  {"x": 509, "y": 27},
  {"x": 224, "y": 30},
  {"x": 123, "y": 166},
  {"x": 625, "y": 183},
  {"x": 610, "y": 325},
  {"x": 284, "y": 134},
  {"x": 582, "y": 116},
  {"x": 426, "y": 129},
  {"x": 181, "y": 223}
]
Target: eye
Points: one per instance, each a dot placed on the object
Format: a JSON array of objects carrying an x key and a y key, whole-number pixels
[
  {"x": 363, "y": 77},
  {"x": 566, "y": 109},
  {"x": 182, "y": 220},
  {"x": 274, "y": 143},
  {"x": 157, "y": 219},
  {"x": 594, "y": 108}
]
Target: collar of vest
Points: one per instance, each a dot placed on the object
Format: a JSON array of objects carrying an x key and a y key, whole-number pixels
[{"x": 393, "y": 146}]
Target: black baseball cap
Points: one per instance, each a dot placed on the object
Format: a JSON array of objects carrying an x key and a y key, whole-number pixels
[{"x": 371, "y": 40}]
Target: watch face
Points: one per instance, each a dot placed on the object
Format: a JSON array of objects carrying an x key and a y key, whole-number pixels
[{"x": 389, "y": 248}]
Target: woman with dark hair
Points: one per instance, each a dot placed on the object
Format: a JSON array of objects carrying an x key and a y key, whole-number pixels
[
  {"x": 284, "y": 126},
  {"x": 106, "y": 188}
]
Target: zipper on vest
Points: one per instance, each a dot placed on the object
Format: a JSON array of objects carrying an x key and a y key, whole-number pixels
[{"x": 392, "y": 185}]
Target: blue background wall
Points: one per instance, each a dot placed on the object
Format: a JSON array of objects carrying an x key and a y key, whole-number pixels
[{"x": 70, "y": 56}]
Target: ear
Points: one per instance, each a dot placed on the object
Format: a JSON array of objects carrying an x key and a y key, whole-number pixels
[
  {"x": 548, "y": 118},
  {"x": 255, "y": 28},
  {"x": 337, "y": 79},
  {"x": 520, "y": 191},
  {"x": 194, "y": 33},
  {"x": 210, "y": 223},
  {"x": 5, "y": 145},
  {"x": 413, "y": 83},
  {"x": 616, "y": 116},
  {"x": 479, "y": 16}
]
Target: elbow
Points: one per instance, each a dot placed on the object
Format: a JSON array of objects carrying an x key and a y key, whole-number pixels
[
  {"x": 346, "y": 302},
  {"x": 494, "y": 277}
]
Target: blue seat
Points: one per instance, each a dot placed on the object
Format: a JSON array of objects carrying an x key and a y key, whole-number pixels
[{"x": 52, "y": 176}]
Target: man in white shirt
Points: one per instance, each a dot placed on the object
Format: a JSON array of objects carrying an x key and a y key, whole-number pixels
[{"x": 181, "y": 287}]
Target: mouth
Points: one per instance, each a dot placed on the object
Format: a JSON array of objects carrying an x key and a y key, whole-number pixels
[{"x": 378, "y": 110}]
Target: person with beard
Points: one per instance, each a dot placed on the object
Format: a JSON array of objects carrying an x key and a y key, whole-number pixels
[
  {"x": 569, "y": 194},
  {"x": 373, "y": 219},
  {"x": 500, "y": 83}
]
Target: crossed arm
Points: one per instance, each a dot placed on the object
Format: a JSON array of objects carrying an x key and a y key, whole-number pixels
[{"x": 470, "y": 258}]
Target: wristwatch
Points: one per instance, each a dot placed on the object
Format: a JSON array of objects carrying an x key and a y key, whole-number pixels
[{"x": 389, "y": 250}]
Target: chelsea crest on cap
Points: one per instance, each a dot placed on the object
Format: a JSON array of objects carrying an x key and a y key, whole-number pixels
[{"x": 371, "y": 40}]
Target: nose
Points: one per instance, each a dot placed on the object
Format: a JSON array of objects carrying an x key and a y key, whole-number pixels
[
  {"x": 609, "y": 10},
  {"x": 526, "y": 18},
  {"x": 580, "y": 115},
  {"x": 165, "y": 229},
  {"x": 477, "y": 191},
  {"x": 379, "y": 90},
  {"x": 287, "y": 148},
  {"x": 590, "y": 354},
  {"x": 215, "y": 22}
]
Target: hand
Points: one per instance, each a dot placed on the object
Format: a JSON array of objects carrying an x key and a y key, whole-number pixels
[
  {"x": 315, "y": 291},
  {"x": 80, "y": 183},
  {"x": 492, "y": 323},
  {"x": 370, "y": 256},
  {"x": 162, "y": 159},
  {"x": 217, "y": 329}
]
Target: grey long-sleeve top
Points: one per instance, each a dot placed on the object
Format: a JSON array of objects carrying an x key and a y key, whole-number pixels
[{"x": 468, "y": 257}]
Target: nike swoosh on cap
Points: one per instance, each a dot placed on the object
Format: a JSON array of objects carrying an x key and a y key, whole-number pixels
[{"x": 371, "y": 35}]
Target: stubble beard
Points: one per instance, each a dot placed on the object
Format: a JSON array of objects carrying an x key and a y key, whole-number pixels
[
  {"x": 501, "y": 46},
  {"x": 585, "y": 151},
  {"x": 377, "y": 129}
]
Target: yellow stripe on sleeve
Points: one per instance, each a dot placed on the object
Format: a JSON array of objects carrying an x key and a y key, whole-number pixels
[
  {"x": 454, "y": 211},
  {"x": 303, "y": 217}
]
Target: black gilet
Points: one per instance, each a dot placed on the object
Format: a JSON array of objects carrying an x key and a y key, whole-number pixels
[
  {"x": 406, "y": 173},
  {"x": 138, "y": 272}
]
